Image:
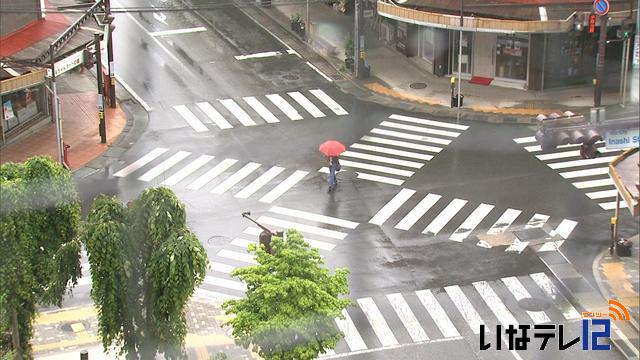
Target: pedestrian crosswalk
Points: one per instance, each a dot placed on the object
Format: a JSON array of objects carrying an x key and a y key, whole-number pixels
[
  {"x": 589, "y": 175},
  {"x": 450, "y": 312},
  {"x": 194, "y": 172},
  {"x": 320, "y": 231},
  {"x": 394, "y": 150},
  {"x": 254, "y": 110},
  {"x": 457, "y": 219}
]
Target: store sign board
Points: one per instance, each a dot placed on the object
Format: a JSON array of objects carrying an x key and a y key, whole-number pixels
[
  {"x": 68, "y": 63},
  {"x": 622, "y": 139}
]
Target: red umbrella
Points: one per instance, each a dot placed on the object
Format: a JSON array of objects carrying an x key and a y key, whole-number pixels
[{"x": 332, "y": 148}]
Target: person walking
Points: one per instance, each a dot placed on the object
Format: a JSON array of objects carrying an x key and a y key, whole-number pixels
[{"x": 334, "y": 166}]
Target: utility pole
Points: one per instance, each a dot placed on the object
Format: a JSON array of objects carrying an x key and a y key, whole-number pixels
[
  {"x": 102, "y": 128},
  {"x": 356, "y": 39},
  {"x": 56, "y": 113},
  {"x": 110, "y": 65},
  {"x": 459, "y": 101},
  {"x": 602, "y": 45},
  {"x": 307, "y": 25}
]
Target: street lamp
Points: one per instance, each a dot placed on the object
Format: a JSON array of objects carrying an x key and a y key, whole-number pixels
[{"x": 265, "y": 236}]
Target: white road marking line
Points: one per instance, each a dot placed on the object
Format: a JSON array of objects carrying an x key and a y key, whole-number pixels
[
  {"x": 416, "y": 213},
  {"x": 261, "y": 109},
  {"x": 319, "y": 72},
  {"x": 583, "y": 162},
  {"x": 420, "y": 129},
  {"x": 524, "y": 140},
  {"x": 322, "y": 245},
  {"x": 428, "y": 122},
  {"x": 238, "y": 176},
  {"x": 565, "y": 228},
  {"x": 593, "y": 183},
  {"x": 407, "y": 317},
  {"x": 147, "y": 158},
  {"x": 602, "y": 194},
  {"x": 537, "y": 221},
  {"x": 207, "y": 294},
  {"x": 392, "y": 206},
  {"x": 382, "y": 159},
  {"x": 465, "y": 307},
  {"x": 214, "y": 115},
  {"x": 190, "y": 118},
  {"x": 313, "y": 217},
  {"x": 437, "y": 313},
  {"x": 327, "y": 100},
  {"x": 543, "y": 281},
  {"x": 178, "y": 31},
  {"x": 351, "y": 334},
  {"x": 302, "y": 227},
  {"x": 243, "y": 243},
  {"x": 631, "y": 345},
  {"x": 238, "y": 112},
  {"x": 550, "y": 246},
  {"x": 220, "y": 267},
  {"x": 211, "y": 174},
  {"x": 258, "y": 55},
  {"x": 520, "y": 292},
  {"x": 379, "y": 325},
  {"x": 237, "y": 256},
  {"x": 495, "y": 304},
  {"x": 226, "y": 283},
  {"x": 187, "y": 170},
  {"x": 379, "y": 168},
  {"x": 505, "y": 220},
  {"x": 402, "y": 135},
  {"x": 390, "y": 151},
  {"x": 258, "y": 183},
  {"x": 133, "y": 93},
  {"x": 284, "y": 186},
  {"x": 612, "y": 205},
  {"x": 404, "y": 144},
  {"x": 370, "y": 177},
  {"x": 584, "y": 173},
  {"x": 570, "y": 153},
  {"x": 471, "y": 222},
  {"x": 535, "y": 148},
  {"x": 164, "y": 166},
  {"x": 284, "y": 106},
  {"x": 444, "y": 217},
  {"x": 306, "y": 104}
]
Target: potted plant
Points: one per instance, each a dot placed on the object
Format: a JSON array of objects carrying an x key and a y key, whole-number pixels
[
  {"x": 297, "y": 25},
  {"x": 348, "y": 53}
]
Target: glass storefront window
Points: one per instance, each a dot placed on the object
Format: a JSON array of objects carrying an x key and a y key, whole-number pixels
[
  {"x": 22, "y": 106},
  {"x": 512, "y": 52},
  {"x": 427, "y": 43},
  {"x": 466, "y": 51}
]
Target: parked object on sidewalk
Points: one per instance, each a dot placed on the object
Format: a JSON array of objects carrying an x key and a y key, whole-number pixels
[
  {"x": 297, "y": 25},
  {"x": 454, "y": 100},
  {"x": 623, "y": 247}
]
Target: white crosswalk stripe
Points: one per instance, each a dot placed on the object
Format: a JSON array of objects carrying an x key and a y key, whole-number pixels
[
  {"x": 428, "y": 122},
  {"x": 444, "y": 217},
  {"x": 258, "y": 183},
  {"x": 537, "y": 221},
  {"x": 505, "y": 220},
  {"x": 594, "y": 183},
  {"x": 220, "y": 267},
  {"x": 331, "y": 104},
  {"x": 565, "y": 228},
  {"x": 371, "y": 177},
  {"x": 382, "y": 159},
  {"x": 285, "y": 224},
  {"x": 390, "y": 151},
  {"x": 188, "y": 170},
  {"x": 313, "y": 217},
  {"x": 238, "y": 112},
  {"x": 211, "y": 174},
  {"x": 379, "y": 325},
  {"x": 582, "y": 162},
  {"x": 419, "y": 129},
  {"x": 418, "y": 211},
  {"x": 437, "y": 313},
  {"x": 147, "y": 158},
  {"x": 214, "y": 115},
  {"x": 465, "y": 307},
  {"x": 602, "y": 194},
  {"x": 584, "y": 173},
  {"x": 404, "y": 144},
  {"x": 306, "y": 104},
  {"x": 237, "y": 256},
  {"x": 235, "y": 178},
  {"x": 213, "y": 295},
  {"x": 471, "y": 222},
  {"x": 543, "y": 281},
  {"x": 519, "y": 292},
  {"x": 284, "y": 106},
  {"x": 495, "y": 304},
  {"x": 190, "y": 118},
  {"x": 164, "y": 166},
  {"x": 612, "y": 205},
  {"x": 226, "y": 283},
  {"x": 321, "y": 245},
  {"x": 261, "y": 109},
  {"x": 379, "y": 168},
  {"x": 351, "y": 335},
  {"x": 407, "y": 317},
  {"x": 407, "y": 136},
  {"x": 287, "y": 184},
  {"x": 392, "y": 206}
]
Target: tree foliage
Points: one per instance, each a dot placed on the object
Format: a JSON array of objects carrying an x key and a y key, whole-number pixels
[
  {"x": 291, "y": 301},
  {"x": 145, "y": 265},
  {"x": 39, "y": 223}
]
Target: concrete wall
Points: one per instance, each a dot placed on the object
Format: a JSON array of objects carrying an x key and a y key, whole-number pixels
[{"x": 11, "y": 21}]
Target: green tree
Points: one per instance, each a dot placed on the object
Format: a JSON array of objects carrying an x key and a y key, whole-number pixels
[
  {"x": 291, "y": 301},
  {"x": 145, "y": 265},
  {"x": 39, "y": 223}
]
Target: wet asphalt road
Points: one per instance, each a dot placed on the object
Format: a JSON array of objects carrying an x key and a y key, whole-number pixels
[{"x": 482, "y": 165}]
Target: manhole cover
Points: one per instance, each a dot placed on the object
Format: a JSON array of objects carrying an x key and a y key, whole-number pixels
[
  {"x": 534, "y": 304},
  {"x": 347, "y": 175},
  {"x": 530, "y": 234},
  {"x": 418, "y": 85},
  {"x": 217, "y": 240},
  {"x": 291, "y": 77}
]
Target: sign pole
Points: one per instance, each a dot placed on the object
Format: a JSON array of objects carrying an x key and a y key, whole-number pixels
[
  {"x": 102, "y": 129},
  {"x": 56, "y": 113},
  {"x": 600, "y": 62}
]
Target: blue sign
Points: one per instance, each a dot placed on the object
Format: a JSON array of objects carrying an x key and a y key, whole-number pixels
[
  {"x": 622, "y": 139},
  {"x": 601, "y": 7}
]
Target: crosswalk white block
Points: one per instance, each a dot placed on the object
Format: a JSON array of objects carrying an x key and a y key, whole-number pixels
[
  {"x": 261, "y": 109},
  {"x": 495, "y": 304},
  {"x": 214, "y": 115},
  {"x": 284, "y": 186},
  {"x": 465, "y": 307},
  {"x": 237, "y": 256},
  {"x": 444, "y": 217},
  {"x": 403, "y": 144},
  {"x": 211, "y": 174},
  {"x": 419, "y": 129},
  {"x": 547, "y": 286},
  {"x": 284, "y": 106},
  {"x": 235, "y": 178},
  {"x": 428, "y": 122},
  {"x": 382, "y": 159},
  {"x": 327, "y": 100},
  {"x": 190, "y": 118},
  {"x": 226, "y": 283},
  {"x": 537, "y": 221},
  {"x": 418, "y": 211},
  {"x": 407, "y": 136},
  {"x": 306, "y": 104},
  {"x": 407, "y": 317},
  {"x": 187, "y": 170},
  {"x": 505, "y": 220},
  {"x": 164, "y": 166},
  {"x": 379, "y": 168},
  {"x": 258, "y": 183},
  {"x": 351, "y": 335},
  {"x": 390, "y": 151},
  {"x": 471, "y": 222},
  {"x": 285, "y": 224},
  {"x": 565, "y": 228},
  {"x": 437, "y": 313},
  {"x": 138, "y": 164},
  {"x": 379, "y": 325},
  {"x": 520, "y": 292},
  {"x": 392, "y": 206},
  {"x": 238, "y": 112},
  {"x": 314, "y": 217}
]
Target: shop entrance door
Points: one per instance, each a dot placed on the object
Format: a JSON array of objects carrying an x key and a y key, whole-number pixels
[{"x": 484, "y": 52}]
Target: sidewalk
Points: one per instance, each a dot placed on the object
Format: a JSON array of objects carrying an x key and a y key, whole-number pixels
[{"x": 393, "y": 74}]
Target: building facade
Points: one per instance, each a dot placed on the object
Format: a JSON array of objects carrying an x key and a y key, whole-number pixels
[{"x": 16, "y": 14}]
